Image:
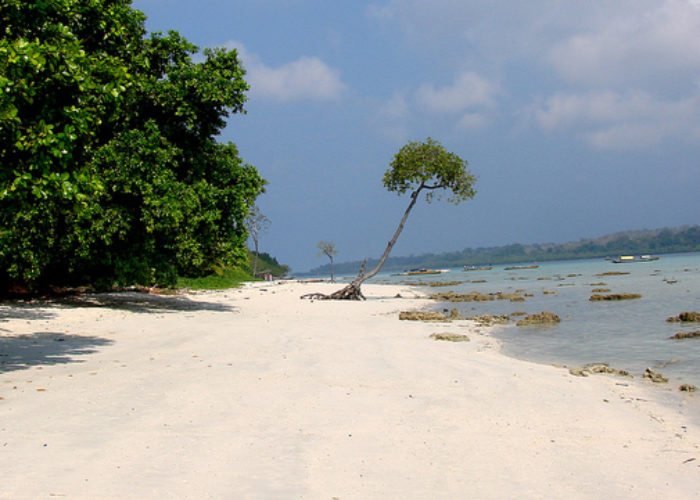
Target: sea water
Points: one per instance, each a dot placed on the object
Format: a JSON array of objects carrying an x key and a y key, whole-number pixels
[{"x": 627, "y": 334}]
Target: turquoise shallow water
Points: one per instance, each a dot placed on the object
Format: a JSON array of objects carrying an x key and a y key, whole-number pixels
[{"x": 629, "y": 334}]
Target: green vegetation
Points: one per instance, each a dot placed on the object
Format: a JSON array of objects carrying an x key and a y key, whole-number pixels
[
  {"x": 268, "y": 264},
  {"x": 229, "y": 278},
  {"x": 111, "y": 174},
  {"x": 660, "y": 241},
  {"x": 235, "y": 276}
]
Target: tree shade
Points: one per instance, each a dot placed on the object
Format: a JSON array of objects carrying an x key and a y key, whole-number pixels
[{"x": 111, "y": 173}]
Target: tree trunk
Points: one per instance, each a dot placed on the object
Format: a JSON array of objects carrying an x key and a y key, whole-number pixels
[
  {"x": 255, "y": 261},
  {"x": 332, "y": 277},
  {"x": 353, "y": 290}
]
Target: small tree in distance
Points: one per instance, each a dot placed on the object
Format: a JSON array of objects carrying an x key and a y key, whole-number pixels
[
  {"x": 257, "y": 224},
  {"x": 417, "y": 167},
  {"x": 327, "y": 248}
]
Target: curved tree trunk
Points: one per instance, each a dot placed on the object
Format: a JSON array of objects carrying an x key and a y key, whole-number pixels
[{"x": 353, "y": 290}]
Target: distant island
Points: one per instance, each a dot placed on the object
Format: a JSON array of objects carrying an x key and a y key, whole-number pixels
[{"x": 654, "y": 241}]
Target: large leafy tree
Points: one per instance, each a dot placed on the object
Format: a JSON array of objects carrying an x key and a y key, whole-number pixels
[
  {"x": 421, "y": 168},
  {"x": 111, "y": 172}
]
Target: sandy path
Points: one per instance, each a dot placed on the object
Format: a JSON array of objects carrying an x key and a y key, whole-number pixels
[{"x": 253, "y": 393}]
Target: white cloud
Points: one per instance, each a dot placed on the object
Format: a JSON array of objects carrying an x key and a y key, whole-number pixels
[
  {"x": 466, "y": 104},
  {"x": 468, "y": 90},
  {"x": 392, "y": 118},
  {"x": 473, "y": 121},
  {"x": 645, "y": 46},
  {"x": 620, "y": 120},
  {"x": 307, "y": 78}
]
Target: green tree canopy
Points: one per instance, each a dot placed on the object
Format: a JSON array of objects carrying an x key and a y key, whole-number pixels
[
  {"x": 111, "y": 173},
  {"x": 428, "y": 166}
]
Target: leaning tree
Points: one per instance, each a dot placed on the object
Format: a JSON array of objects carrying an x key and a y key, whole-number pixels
[{"x": 419, "y": 167}]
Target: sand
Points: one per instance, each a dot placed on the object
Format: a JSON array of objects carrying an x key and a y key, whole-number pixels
[{"x": 254, "y": 393}]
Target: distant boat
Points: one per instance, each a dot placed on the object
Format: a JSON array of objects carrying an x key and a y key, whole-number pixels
[
  {"x": 414, "y": 272},
  {"x": 478, "y": 268},
  {"x": 631, "y": 258},
  {"x": 513, "y": 268}
]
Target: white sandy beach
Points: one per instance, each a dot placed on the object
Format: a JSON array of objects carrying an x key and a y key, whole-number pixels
[{"x": 254, "y": 393}]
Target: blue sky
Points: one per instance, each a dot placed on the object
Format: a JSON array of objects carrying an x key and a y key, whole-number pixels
[{"x": 578, "y": 118}]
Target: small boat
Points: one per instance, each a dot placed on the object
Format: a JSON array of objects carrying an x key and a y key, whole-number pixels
[
  {"x": 478, "y": 268},
  {"x": 631, "y": 258},
  {"x": 513, "y": 268}
]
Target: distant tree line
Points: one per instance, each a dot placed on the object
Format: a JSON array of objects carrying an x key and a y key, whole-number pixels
[{"x": 659, "y": 241}]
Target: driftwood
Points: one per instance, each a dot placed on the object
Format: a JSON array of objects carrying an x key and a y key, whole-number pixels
[{"x": 349, "y": 292}]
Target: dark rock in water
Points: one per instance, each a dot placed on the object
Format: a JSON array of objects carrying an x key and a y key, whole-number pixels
[
  {"x": 422, "y": 316},
  {"x": 615, "y": 296},
  {"x": 444, "y": 283},
  {"x": 687, "y": 388},
  {"x": 598, "y": 368},
  {"x": 489, "y": 320},
  {"x": 450, "y": 337},
  {"x": 513, "y": 297},
  {"x": 543, "y": 318},
  {"x": 462, "y": 297},
  {"x": 686, "y": 335},
  {"x": 685, "y": 317},
  {"x": 655, "y": 376}
]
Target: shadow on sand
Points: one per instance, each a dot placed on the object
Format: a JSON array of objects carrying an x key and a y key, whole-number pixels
[
  {"x": 19, "y": 352},
  {"x": 137, "y": 302},
  {"x": 140, "y": 302}
]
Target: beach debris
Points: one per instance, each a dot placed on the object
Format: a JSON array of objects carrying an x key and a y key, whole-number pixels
[
  {"x": 685, "y": 317},
  {"x": 450, "y": 337},
  {"x": 614, "y": 296},
  {"x": 687, "y": 388},
  {"x": 543, "y": 318},
  {"x": 613, "y": 273},
  {"x": 489, "y": 320},
  {"x": 422, "y": 316},
  {"x": 685, "y": 335},
  {"x": 548, "y": 292},
  {"x": 593, "y": 368},
  {"x": 600, "y": 290},
  {"x": 518, "y": 313},
  {"x": 654, "y": 376}
]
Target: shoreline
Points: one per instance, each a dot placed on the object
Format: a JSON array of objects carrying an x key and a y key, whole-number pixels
[{"x": 255, "y": 393}]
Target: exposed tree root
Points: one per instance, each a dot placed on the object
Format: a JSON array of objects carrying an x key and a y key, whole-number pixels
[{"x": 349, "y": 292}]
